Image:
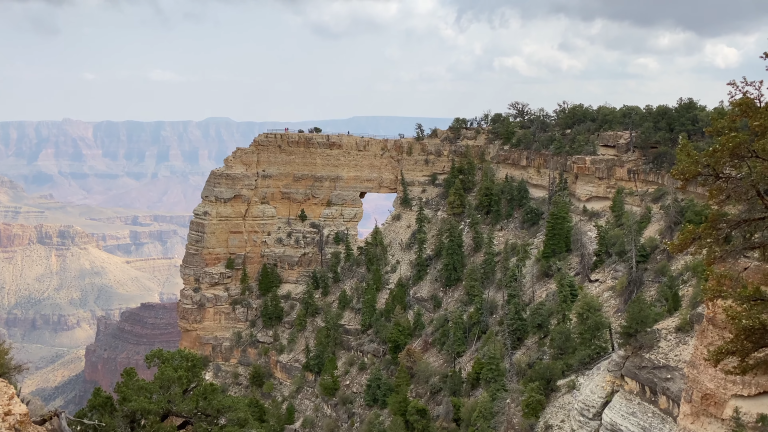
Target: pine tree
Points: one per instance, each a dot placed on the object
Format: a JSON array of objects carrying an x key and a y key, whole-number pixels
[
  {"x": 557, "y": 238},
  {"x": 617, "y": 207},
  {"x": 515, "y": 323},
  {"x": 344, "y": 301},
  {"x": 377, "y": 389},
  {"x": 420, "y": 266},
  {"x": 399, "y": 335},
  {"x": 397, "y": 298},
  {"x": 482, "y": 418},
  {"x": 375, "y": 250},
  {"x": 457, "y": 199},
  {"x": 272, "y": 312},
  {"x": 405, "y": 198},
  {"x": 456, "y": 344},
  {"x": 488, "y": 265},
  {"x": 454, "y": 260},
  {"x": 329, "y": 381},
  {"x": 230, "y": 264},
  {"x": 368, "y": 312},
  {"x": 418, "y": 416},
  {"x": 334, "y": 266},
  {"x": 245, "y": 282},
  {"x": 489, "y": 196},
  {"x": 567, "y": 293},
  {"x": 590, "y": 329},
  {"x": 303, "y": 215},
  {"x": 269, "y": 279},
  {"x": 476, "y": 230},
  {"x": 522, "y": 194},
  {"x": 349, "y": 253},
  {"x": 418, "y": 322},
  {"x": 398, "y": 401},
  {"x": 289, "y": 417},
  {"x": 473, "y": 290}
]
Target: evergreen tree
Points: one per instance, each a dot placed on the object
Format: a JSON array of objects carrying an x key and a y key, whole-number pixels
[
  {"x": 534, "y": 401},
  {"x": 302, "y": 215},
  {"x": 515, "y": 323},
  {"x": 489, "y": 196},
  {"x": 418, "y": 417},
  {"x": 398, "y": 401},
  {"x": 334, "y": 266},
  {"x": 557, "y": 238},
  {"x": 567, "y": 293},
  {"x": 562, "y": 345},
  {"x": 457, "y": 199},
  {"x": 418, "y": 322},
  {"x": 329, "y": 382},
  {"x": 377, "y": 389},
  {"x": 476, "y": 230},
  {"x": 420, "y": 266},
  {"x": 397, "y": 424},
  {"x": 405, "y": 198},
  {"x": 230, "y": 264},
  {"x": 290, "y": 414},
  {"x": 522, "y": 194},
  {"x": 272, "y": 312},
  {"x": 618, "y": 209},
  {"x": 640, "y": 316},
  {"x": 269, "y": 279},
  {"x": 488, "y": 265},
  {"x": 482, "y": 418},
  {"x": 398, "y": 298},
  {"x": 399, "y": 335},
  {"x": 590, "y": 329},
  {"x": 245, "y": 282},
  {"x": 473, "y": 289},
  {"x": 454, "y": 260},
  {"x": 344, "y": 301},
  {"x": 349, "y": 253},
  {"x": 456, "y": 343},
  {"x": 375, "y": 250}
]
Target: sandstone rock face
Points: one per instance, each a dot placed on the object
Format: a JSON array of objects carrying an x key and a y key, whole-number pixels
[
  {"x": 14, "y": 415},
  {"x": 124, "y": 343},
  {"x": 249, "y": 207},
  {"x": 711, "y": 395}
]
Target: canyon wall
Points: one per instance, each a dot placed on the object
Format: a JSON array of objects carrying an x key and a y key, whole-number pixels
[
  {"x": 250, "y": 205},
  {"x": 124, "y": 343}
]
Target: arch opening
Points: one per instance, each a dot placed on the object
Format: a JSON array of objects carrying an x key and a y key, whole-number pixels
[{"x": 376, "y": 209}]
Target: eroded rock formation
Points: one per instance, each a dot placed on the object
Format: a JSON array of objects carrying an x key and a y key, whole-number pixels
[
  {"x": 249, "y": 207},
  {"x": 124, "y": 343},
  {"x": 14, "y": 415}
]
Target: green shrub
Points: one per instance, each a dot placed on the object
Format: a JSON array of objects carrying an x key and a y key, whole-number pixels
[
  {"x": 302, "y": 215},
  {"x": 534, "y": 401},
  {"x": 230, "y": 265},
  {"x": 640, "y": 316}
]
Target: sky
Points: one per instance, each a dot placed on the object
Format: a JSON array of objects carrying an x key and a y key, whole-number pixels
[
  {"x": 319, "y": 59},
  {"x": 376, "y": 209}
]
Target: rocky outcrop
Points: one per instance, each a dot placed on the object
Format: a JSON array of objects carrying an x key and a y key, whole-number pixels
[
  {"x": 142, "y": 244},
  {"x": 124, "y": 343},
  {"x": 711, "y": 394},
  {"x": 249, "y": 206},
  {"x": 14, "y": 415},
  {"x": 19, "y": 235},
  {"x": 628, "y": 394}
]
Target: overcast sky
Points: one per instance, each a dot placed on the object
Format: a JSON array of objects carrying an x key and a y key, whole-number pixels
[{"x": 320, "y": 59}]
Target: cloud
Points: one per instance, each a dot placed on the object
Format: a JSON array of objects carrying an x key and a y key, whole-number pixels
[
  {"x": 704, "y": 17},
  {"x": 165, "y": 75},
  {"x": 89, "y": 76},
  {"x": 722, "y": 56}
]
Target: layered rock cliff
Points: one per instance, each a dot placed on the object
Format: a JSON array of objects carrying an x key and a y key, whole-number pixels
[
  {"x": 249, "y": 213},
  {"x": 124, "y": 343},
  {"x": 249, "y": 206}
]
